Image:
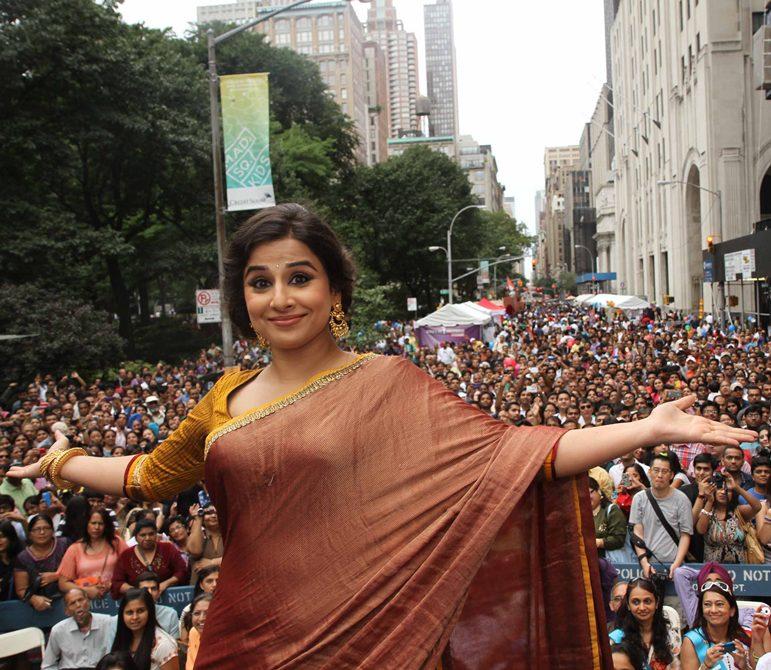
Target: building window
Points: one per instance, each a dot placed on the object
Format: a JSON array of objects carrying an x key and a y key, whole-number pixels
[
  {"x": 698, "y": 43},
  {"x": 326, "y": 36},
  {"x": 282, "y": 26},
  {"x": 680, "y": 12},
  {"x": 326, "y": 20},
  {"x": 303, "y": 37},
  {"x": 305, "y": 23}
]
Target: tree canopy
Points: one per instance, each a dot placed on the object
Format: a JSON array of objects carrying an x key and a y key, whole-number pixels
[{"x": 106, "y": 201}]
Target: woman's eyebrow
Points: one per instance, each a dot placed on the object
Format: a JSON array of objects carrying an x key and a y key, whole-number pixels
[{"x": 263, "y": 268}]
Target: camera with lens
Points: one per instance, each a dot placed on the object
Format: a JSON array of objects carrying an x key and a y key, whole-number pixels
[
  {"x": 718, "y": 479},
  {"x": 660, "y": 580}
]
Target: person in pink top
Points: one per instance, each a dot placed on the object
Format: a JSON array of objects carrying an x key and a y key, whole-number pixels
[{"x": 89, "y": 563}]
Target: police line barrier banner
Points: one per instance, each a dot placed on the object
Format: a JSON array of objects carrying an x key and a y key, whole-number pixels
[{"x": 246, "y": 134}]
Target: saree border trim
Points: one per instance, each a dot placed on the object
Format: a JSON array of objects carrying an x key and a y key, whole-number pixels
[
  {"x": 587, "y": 579},
  {"x": 315, "y": 383}
]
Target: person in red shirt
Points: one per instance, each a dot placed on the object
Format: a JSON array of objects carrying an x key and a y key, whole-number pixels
[{"x": 162, "y": 558}]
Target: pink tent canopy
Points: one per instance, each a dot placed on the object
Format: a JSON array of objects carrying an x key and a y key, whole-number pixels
[{"x": 492, "y": 305}]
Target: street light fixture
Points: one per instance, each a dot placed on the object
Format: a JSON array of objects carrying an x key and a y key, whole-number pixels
[
  {"x": 216, "y": 150},
  {"x": 592, "y": 261},
  {"x": 449, "y": 248}
]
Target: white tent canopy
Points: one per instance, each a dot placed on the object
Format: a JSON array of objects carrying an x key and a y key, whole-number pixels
[
  {"x": 463, "y": 314},
  {"x": 624, "y": 302}
]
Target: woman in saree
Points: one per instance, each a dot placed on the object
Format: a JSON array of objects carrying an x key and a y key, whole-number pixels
[{"x": 387, "y": 523}]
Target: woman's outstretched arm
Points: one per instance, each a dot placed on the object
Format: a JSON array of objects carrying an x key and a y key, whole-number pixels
[
  {"x": 668, "y": 423},
  {"x": 92, "y": 472}
]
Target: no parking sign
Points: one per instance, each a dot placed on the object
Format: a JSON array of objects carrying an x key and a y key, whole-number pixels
[{"x": 207, "y": 306}]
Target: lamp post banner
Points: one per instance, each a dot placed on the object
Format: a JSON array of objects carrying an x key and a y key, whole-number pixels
[{"x": 245, "y": 125}]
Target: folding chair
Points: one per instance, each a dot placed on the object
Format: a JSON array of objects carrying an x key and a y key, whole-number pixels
[{"x": 19, "y": 641}]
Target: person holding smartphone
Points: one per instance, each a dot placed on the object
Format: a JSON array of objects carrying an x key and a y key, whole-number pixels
[
  {"x": 718, "y": 640},
  {"x": 205, "y": 544}
]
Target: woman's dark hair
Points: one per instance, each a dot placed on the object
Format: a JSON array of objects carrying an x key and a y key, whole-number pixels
[
  {"x": 640, "y": 470},
  {"x": 124, "y": 637},
  {"x": 32, "y": 521},
  {"x": 735, "y": 631},
  {"x": 188, "y": 618},
  {"x": 144, "y": 523},
  {"x": 76, "y": 516},
  {"x": 14, "y": 543},
  {"x": 117, "y": 660},
  {"x": 278, "y": 223},
  {"x": 635, "y": 655},
  {"x": 109, "y": 527},
  {"x": 626, "y": 621},
  {"x": 203, "y": 574},
  {"x": 176, "y": 519},
  {"x": 595, "y": 486}
]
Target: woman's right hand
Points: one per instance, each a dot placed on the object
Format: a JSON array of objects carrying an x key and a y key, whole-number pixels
[
  {"x": 40, "y": 603},
  {"x": 32, "y": 471}
]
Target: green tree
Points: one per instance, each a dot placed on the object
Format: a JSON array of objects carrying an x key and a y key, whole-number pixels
[
  {"x": 391, "y": 213},
  {"x": 567, "y": 282},
  {"x": 67, "y": 334},
  {"x": 104, "y": 126},
  {"x": 107, "y": 192}
]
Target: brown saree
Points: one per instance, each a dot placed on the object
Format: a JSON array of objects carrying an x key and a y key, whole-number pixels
[{"x": 373, "y": 520}]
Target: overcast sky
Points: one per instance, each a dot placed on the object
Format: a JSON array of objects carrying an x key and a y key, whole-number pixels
[{"x": 529, "y": 74}]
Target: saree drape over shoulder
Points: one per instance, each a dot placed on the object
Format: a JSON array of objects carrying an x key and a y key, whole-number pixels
[{"x": 374, "y": 520}]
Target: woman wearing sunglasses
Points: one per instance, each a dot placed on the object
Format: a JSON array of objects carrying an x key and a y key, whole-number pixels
[
  {"x": 643, "y": 625},
  {"x": 717, "y": 640}
]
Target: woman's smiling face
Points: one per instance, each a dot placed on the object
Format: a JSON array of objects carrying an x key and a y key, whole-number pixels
[{"x": 287, "y": 293}]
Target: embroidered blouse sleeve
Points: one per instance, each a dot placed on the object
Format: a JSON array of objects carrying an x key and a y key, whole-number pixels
[{"x": 178, "y": 462}]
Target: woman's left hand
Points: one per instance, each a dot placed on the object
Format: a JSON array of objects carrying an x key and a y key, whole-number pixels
[{"x": 670, "y": 424}]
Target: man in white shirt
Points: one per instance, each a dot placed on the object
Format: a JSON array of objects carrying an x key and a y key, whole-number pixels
[
  {"x": 80, "y": 640},
  {"x": 445, "y": 354}
]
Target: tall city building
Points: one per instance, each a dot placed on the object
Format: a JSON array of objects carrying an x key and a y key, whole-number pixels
[
  {"x": 377, "y": 103},
  {"x": 554, "y": 235},
  {"x": 540, "y": 232},
  {"x": 328, "y": 33},
  {"x": 401, "y": 53},
  {"x": 481, "y": 168},
  {"x": 509, "y": 206},
  {"x": 603, "y": 185},
  {"x": 692, "y": 151},
  {"x": 441, "y": 72}
]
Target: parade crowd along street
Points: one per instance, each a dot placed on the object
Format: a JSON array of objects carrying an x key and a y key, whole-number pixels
[{"x": 553, "y": 364}]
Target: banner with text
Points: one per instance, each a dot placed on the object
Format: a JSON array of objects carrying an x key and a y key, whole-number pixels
[{"x": 246, "y": 134}]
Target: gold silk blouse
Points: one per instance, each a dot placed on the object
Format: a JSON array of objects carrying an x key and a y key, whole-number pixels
[{"x": 178, "y": 462}]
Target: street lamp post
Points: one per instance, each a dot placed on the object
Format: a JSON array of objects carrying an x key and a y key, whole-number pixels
[
  {"x": 495, "y": 272},
  {"x": 719, "y": 196},
  {"x": 592, "y": 261},
  {"x": 449, "y": 248},
  {"x": 216, "y": 148}
]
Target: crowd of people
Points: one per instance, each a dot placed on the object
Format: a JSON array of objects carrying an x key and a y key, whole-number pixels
[{"x": 552, "y": 364}]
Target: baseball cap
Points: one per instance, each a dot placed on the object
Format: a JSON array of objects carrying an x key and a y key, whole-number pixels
[{"x": 151, "y": 398}]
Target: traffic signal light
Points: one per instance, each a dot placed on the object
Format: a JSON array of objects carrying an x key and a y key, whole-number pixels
[
  {"x": 669, "y": 299},
  {"x": 711, "y": 244}
]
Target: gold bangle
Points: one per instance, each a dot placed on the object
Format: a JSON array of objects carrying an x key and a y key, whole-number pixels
[
  {"x": 58, "y": 463},
  {"x": 45, "y": 463}
]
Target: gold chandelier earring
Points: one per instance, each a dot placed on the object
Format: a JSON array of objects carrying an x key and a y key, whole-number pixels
[
  {"x": 261, "y": 341},
  {"x": 337, "y": 323}
]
